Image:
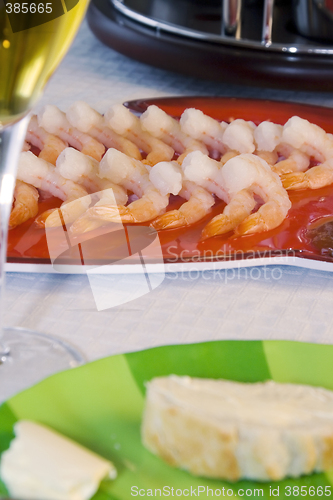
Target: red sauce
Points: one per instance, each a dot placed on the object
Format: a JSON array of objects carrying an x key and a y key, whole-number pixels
[{"x": 27, "y": 243}]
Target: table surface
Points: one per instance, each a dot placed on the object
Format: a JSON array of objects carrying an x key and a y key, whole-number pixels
[{"x": 279, "y": 302}]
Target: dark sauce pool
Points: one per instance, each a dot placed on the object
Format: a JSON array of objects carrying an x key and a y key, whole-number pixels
[{"x": 320, "y": 235}]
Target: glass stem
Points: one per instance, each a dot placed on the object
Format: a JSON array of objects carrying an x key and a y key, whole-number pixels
[{"x": 11, "y": 142}]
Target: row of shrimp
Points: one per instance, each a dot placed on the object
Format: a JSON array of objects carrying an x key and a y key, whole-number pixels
[{"x": 135, "y": 164}]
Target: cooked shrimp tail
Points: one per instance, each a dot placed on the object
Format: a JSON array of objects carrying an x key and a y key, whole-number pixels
[
  {"x": 239, "y": 208},
  {"x": 314, "y": 178},
  {"x": 269, "y": 216},
  {"x": 170, "y": 220},
  {"x": 134, "y": 176},
  {"x": 25, "y": 204},
  {"x": 245, "y": 177},
  {"x": 196, "y": 208},
  {"x": 138, "y": 211},
  {"x": 40, "y": 221},
  {"x": 295, "y": 160}
]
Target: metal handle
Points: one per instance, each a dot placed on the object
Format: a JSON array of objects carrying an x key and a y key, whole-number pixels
[
  {"x": 231, "y": 18},
  {"x": 267, "y": 25}
]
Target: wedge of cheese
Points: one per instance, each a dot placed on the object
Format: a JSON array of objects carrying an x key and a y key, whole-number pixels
[
  {"x": 41, "y": 464},
  {"x": 229, "y": 430}
]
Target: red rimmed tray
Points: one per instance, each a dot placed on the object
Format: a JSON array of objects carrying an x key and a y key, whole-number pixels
[{"x": 27, "y": 244}]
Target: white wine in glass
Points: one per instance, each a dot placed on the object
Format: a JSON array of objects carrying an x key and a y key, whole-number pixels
[{"x": 34, "y": 37}]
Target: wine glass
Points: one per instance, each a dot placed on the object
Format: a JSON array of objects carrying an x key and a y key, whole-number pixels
[{"x": 34, "y": 37}]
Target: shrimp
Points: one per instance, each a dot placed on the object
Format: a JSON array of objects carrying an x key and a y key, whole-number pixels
[
  {"x": 199, "y": 199},
  {"x": 43, "y": 175},
  {"x": 50, "y": 145},
  {"x": 295, "y": 160},
  {"x": 82, "y": 169},
  {"x": 55, "y": 122},
  {"x": 239, "y": 136},
  {"x": 25, "y": 204},
  {"x": 207, "y": 173},
  {"x": 271, "y": 147},
  {"x": 314, "y": 142},
  {"x": 267, "y": 136},
  {"x": 126, "y": 124},
  {"x": 166, "y": 128},
  {"x": 89, "y": 121},
  {"x": 237, "y": 183},
  {"x": 201, "y": 127},
  {"x": 133, "y": 176},
  {"x": 245, "y": 177},
  {"x": 196, "y": 208}
]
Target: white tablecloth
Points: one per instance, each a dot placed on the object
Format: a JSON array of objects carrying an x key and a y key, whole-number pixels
[{"x": 288, "y": 303}]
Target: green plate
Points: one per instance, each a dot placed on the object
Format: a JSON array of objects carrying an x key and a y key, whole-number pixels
[{"x": 100, "y": 405}]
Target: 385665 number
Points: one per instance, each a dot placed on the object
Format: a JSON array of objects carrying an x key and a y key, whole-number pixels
[{"x": 25, "y": 8}]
